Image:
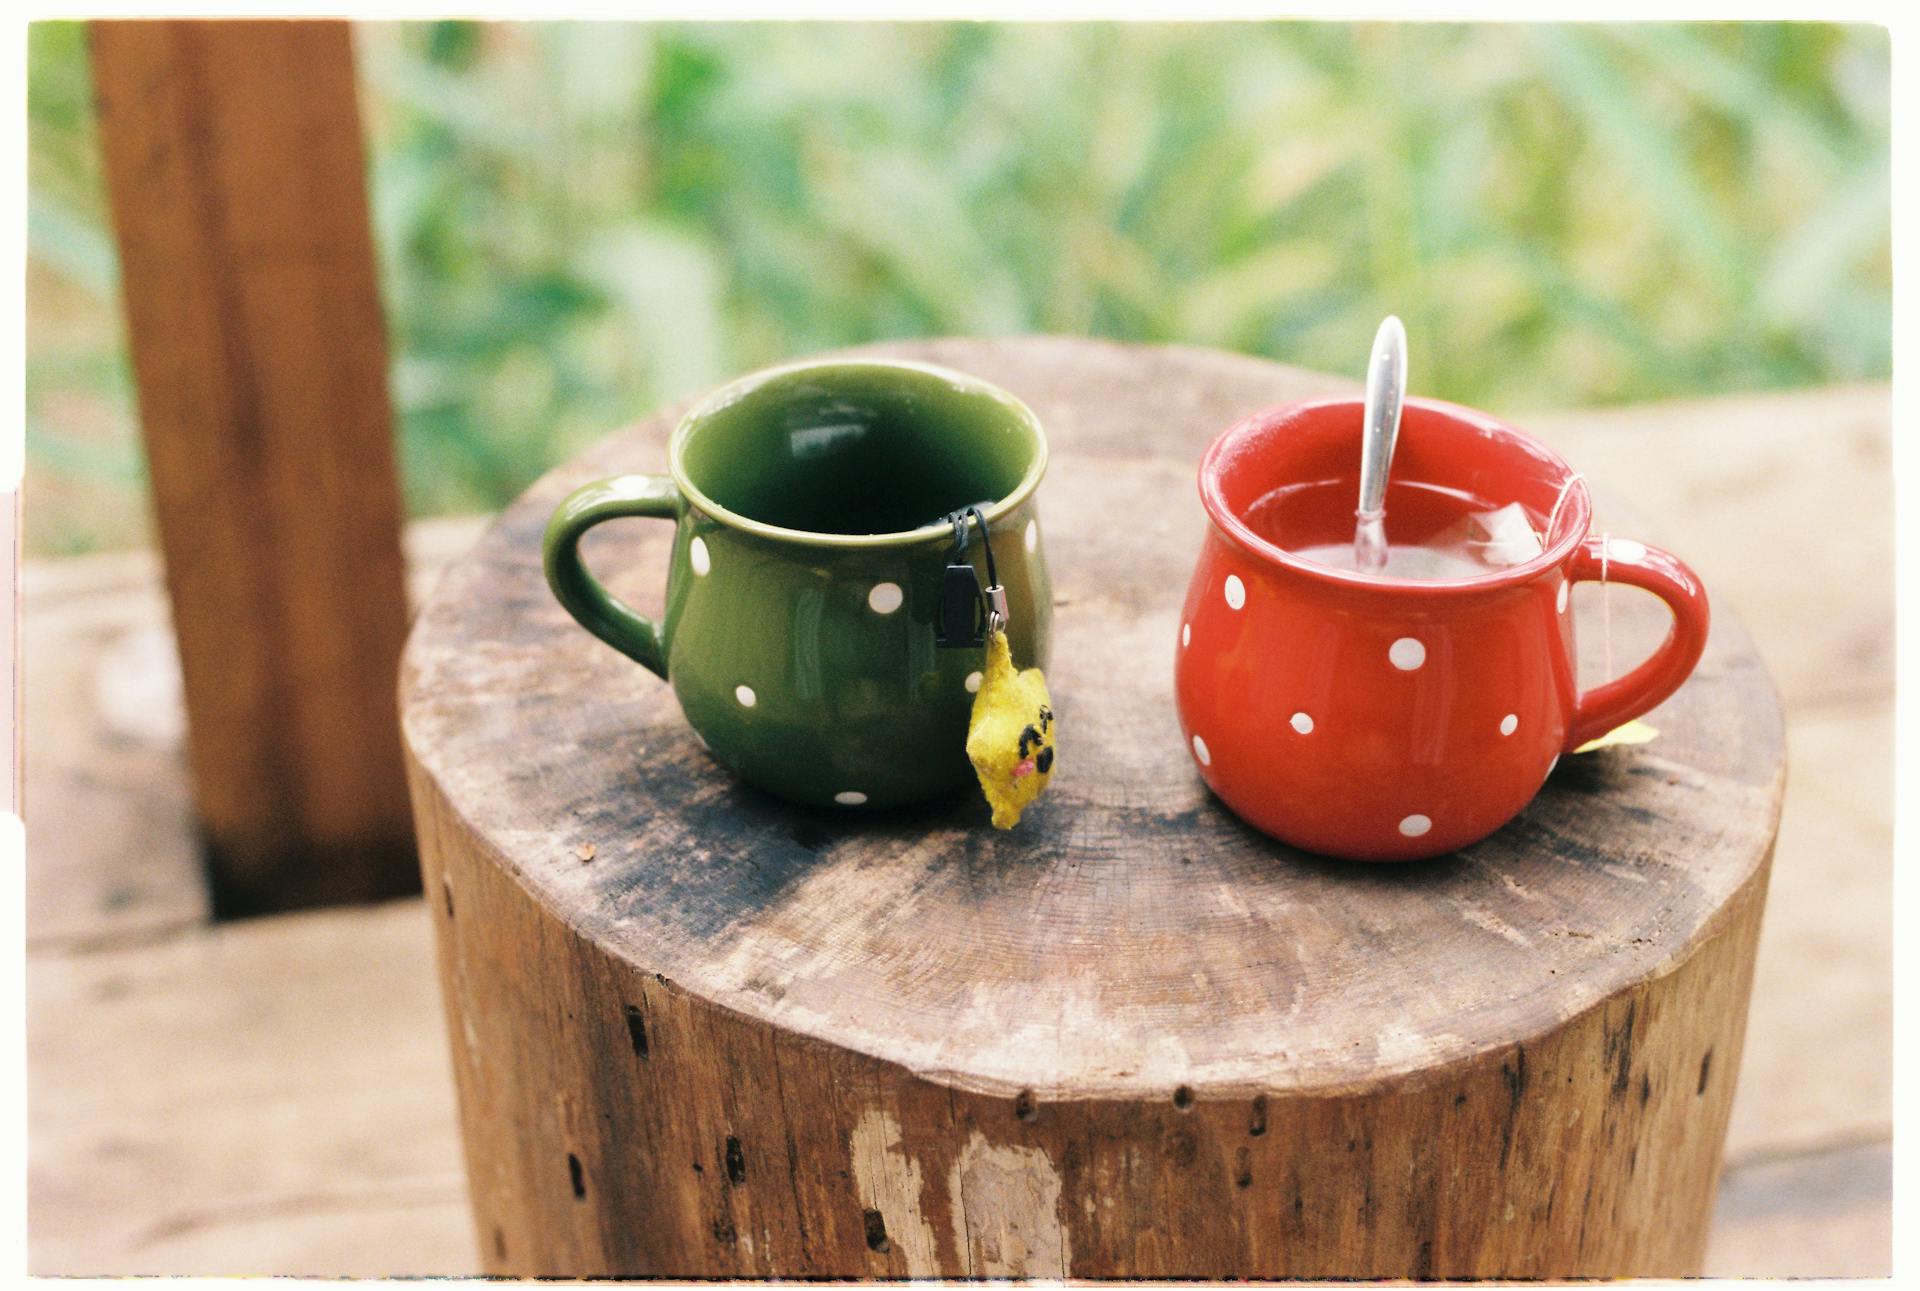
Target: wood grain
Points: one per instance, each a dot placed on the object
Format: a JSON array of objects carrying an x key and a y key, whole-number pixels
[
  {"x": 1131, "y": 1038},
  {"x": 10, "y": 660},
  {"x": 1820, "y": 1069},
  {"x": 236, "y": 176},
  {"x": 269, "y": 1096},
  {"x": 1825, "y": 1214}
]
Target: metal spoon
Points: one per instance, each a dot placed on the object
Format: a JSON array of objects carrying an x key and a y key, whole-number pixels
[{"x": 1386, "y": 390}]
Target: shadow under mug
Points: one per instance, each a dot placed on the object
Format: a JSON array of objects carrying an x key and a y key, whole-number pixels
[
  {"x": 1380, "y": 718},
  {"x": 807, "y": 565}
]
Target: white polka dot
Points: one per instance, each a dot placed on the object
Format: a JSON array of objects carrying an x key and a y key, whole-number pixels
[
  {"x": 885, "y": 598},
  {"x": 1626, "y": 549},
  {"x": 1186, "y": 634},
  {"x": 1560, "y": 598},
  {"x": 1407, "y": 654},
  {"x": 1510, "y": 723},
  {"x": 1236, "y": 591},
  {"x": 1414, "y": 826},
  {"x": 697, "y": 556},
  {"x": 1200, "y": 751},
  {"x": 973, "y": 682},
  {"x": 1033, "y": 536},
  {"x": 1301, "y": 723},
  {"x": 746, "y": 696},
  {"x": 849, "y": 797}
]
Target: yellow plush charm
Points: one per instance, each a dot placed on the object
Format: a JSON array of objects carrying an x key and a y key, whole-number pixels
[{"x": 1010, "y": 737}]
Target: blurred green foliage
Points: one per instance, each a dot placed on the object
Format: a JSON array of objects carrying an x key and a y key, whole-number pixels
[{"x": 580, "y": 221}]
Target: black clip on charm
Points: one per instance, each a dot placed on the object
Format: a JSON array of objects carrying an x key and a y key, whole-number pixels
[{"x": 966, "y": 613}]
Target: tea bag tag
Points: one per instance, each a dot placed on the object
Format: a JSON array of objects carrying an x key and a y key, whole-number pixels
[{"x": 1628, "y": 734}]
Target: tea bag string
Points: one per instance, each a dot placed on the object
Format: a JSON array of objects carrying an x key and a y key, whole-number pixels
[
  {"x": 1606, "y": 603},
  {"x": 1606, "y": 588},
  {"x": 1553, "y": 518}
]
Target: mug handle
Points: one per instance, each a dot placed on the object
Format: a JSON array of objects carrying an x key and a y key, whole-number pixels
[
  {"x": 1621, "y": 700},
  {"x": 583, "y": 595}
]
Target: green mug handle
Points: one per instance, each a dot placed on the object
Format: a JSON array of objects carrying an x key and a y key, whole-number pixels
[{"x": 597, "y": 609}]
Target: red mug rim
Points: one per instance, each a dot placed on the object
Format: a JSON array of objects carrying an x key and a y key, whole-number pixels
[{"x": 1578, "y": 516}]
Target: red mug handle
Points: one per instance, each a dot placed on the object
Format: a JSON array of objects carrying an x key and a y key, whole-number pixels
[{"x": 1621, "y": 700}]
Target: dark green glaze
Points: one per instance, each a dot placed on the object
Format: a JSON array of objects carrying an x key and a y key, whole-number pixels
[{"x": 796, "y": 493}]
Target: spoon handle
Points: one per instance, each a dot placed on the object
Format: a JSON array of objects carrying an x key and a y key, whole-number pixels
[{"x": 1386, "y": 389}]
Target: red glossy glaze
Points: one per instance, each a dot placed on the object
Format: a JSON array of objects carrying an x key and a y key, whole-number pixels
[{"x": 1338, "y": 711}]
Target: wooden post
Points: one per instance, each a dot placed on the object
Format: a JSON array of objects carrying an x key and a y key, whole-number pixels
[{"x": 236, "y": 175}]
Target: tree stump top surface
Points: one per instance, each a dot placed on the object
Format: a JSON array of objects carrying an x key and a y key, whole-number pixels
[{"x": 1130, "y": 936}]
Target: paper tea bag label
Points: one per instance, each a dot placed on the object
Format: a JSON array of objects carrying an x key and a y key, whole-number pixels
[{"x": 1633, "y": 732}]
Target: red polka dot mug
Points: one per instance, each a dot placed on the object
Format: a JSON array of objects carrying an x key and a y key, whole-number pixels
[{"x": 1386, "y": 718}]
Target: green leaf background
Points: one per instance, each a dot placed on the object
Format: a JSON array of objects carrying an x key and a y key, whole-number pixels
[{"x": 581, "y": 221}]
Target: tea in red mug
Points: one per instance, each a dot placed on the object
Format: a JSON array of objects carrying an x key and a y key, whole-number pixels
[{"x": 1404, "y": 714}]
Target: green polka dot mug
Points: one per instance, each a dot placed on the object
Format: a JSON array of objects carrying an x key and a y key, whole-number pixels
[{"x": 811, "y": 543}]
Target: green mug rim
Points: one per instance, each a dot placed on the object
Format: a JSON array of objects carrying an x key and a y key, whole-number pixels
[{"x": 738, "y": 389}]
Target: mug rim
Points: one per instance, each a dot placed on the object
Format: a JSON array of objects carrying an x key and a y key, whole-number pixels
[
  {"x": 741, "y": 387},
  {"x": 1236, "y": 530}
]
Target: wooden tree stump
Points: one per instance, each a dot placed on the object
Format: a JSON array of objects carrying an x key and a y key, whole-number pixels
[{"x": 698, "y": 1033}]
